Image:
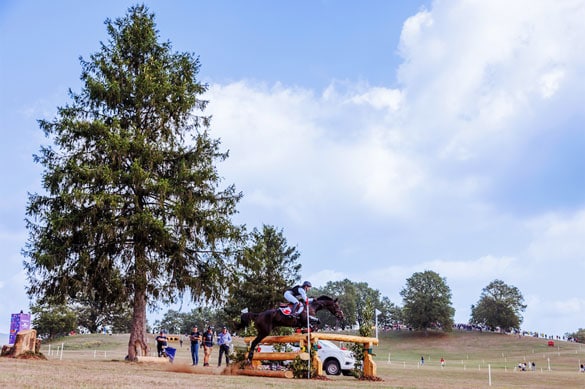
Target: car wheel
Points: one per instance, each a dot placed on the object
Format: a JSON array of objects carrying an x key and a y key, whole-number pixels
[{"x": 331, "y": 367}]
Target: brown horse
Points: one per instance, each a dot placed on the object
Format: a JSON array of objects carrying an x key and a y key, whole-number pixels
[{"x": 272, "y": 318}]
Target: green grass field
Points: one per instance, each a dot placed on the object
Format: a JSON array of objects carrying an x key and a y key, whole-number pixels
[{"x": 93, "y": 361}]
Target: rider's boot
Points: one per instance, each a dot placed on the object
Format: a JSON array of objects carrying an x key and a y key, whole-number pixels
[{"x": 297, "y": 309}]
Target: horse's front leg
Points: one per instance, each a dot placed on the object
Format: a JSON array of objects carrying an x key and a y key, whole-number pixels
[{"x": 255, "y": 343}]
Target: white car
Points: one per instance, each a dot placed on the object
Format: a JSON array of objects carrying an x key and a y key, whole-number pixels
[{"x": 334, "y": 359}]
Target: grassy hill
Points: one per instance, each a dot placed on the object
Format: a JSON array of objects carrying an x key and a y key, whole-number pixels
[{"x": 471, "y": 359}]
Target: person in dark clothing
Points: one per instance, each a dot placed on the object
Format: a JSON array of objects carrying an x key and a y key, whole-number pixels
[
  {"x": 195, "y": 339},
  {"x": 161, "y": 343},
  {"x": 207, "y": 345}
]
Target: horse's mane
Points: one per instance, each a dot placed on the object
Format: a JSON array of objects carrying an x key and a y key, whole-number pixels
[{"x": 324, "y": 298}]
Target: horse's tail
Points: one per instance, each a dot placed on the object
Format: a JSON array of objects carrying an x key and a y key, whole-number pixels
[{"x": 246, "y": 319}]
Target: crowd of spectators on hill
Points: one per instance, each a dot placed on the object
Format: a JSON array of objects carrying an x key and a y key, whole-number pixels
[{"x": 534, "y": 334}]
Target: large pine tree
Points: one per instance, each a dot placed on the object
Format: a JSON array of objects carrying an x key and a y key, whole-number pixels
[{"x": 132, "y": 209}]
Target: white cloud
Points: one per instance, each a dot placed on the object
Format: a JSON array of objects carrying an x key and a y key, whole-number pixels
[
  {"x": 298, "y": 147},
  {"x": 474, "y": 272},
  {"x": 570, "y": 306},
  {"x": 320, "y": 278},
  {"x": 472, "y": 102},
  {"x": 558, "y": 239},
  {"x": 550, "y": 82},
  {"x": 380, "y": 98},
  {"x": 473, "y": 71},
  {"x": 554, "y": 316},
  {"x": 477, "y": 271},
  {"x": 414, "y": 33}
]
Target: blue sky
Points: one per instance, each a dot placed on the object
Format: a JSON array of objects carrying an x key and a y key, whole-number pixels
[{"x": 384, "y": 138}]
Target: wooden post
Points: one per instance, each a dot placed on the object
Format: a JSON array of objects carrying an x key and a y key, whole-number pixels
[
  {"x": 266, "y": 373},
  {"x": 317, "y": 362},
  {"x": 141, "y": 359},
  {"x": 26, "y": 341},
  {"x": 369, "y": 364}
]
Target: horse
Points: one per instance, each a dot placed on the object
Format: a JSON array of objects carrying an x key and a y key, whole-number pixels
[{"x": 272, "y": 318}]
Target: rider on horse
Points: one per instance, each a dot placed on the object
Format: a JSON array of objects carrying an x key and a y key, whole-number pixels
[
  {"x": 275, "y": 317},
  {"x": 293, "y": 294}
]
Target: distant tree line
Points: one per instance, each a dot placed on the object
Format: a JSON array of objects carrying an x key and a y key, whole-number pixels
[{"x": 268, "y": 266}]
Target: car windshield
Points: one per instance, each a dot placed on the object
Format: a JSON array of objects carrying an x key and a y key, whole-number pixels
[{"x": 328, "y": 344}]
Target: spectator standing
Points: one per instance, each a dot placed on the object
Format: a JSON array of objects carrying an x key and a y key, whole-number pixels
[
  {"x": 442, "y": 362},
  {"x": 422, "y": 360},
  {"x": 207, "y": 345},
  {"x": 223, "y": 341},
  {"x": 161, "y": 343},
  {"x": 195, "y": 338}
]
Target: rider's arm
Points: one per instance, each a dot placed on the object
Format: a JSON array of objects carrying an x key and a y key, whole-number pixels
[{"x": 303, "y": 294}]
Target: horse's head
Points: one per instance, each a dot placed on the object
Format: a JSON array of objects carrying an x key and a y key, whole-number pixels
[{"x": 331, "y": 305}]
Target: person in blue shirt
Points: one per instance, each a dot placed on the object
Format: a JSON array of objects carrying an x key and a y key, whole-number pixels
[{"x": 223, "y": 340}]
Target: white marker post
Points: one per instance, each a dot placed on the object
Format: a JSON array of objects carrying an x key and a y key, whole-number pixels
[
  {"x": 308, "y": 337},
  {"x": 377, "y": 313}
]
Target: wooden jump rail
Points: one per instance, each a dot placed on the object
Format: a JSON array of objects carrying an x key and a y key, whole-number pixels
[
  {"x": 368, "y": 342},
  {"x": 266, "y": 373},
  {"x": 280, "y": 356}
]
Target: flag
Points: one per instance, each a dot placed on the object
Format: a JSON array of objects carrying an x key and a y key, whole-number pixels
[
  {"x": 245, "y": 310},
  {"x": 171, "y": 353},
  {"x": 378, "y": 312}
]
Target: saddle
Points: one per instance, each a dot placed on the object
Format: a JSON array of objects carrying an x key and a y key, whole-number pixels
[{"x": 286, "y": 308}]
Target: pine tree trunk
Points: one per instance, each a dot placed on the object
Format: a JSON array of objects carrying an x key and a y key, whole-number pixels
[{"x": 137, "y": 345}]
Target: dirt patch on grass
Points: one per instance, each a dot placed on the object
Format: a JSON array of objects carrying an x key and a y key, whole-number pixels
[{"x": 30, "y": 355}]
